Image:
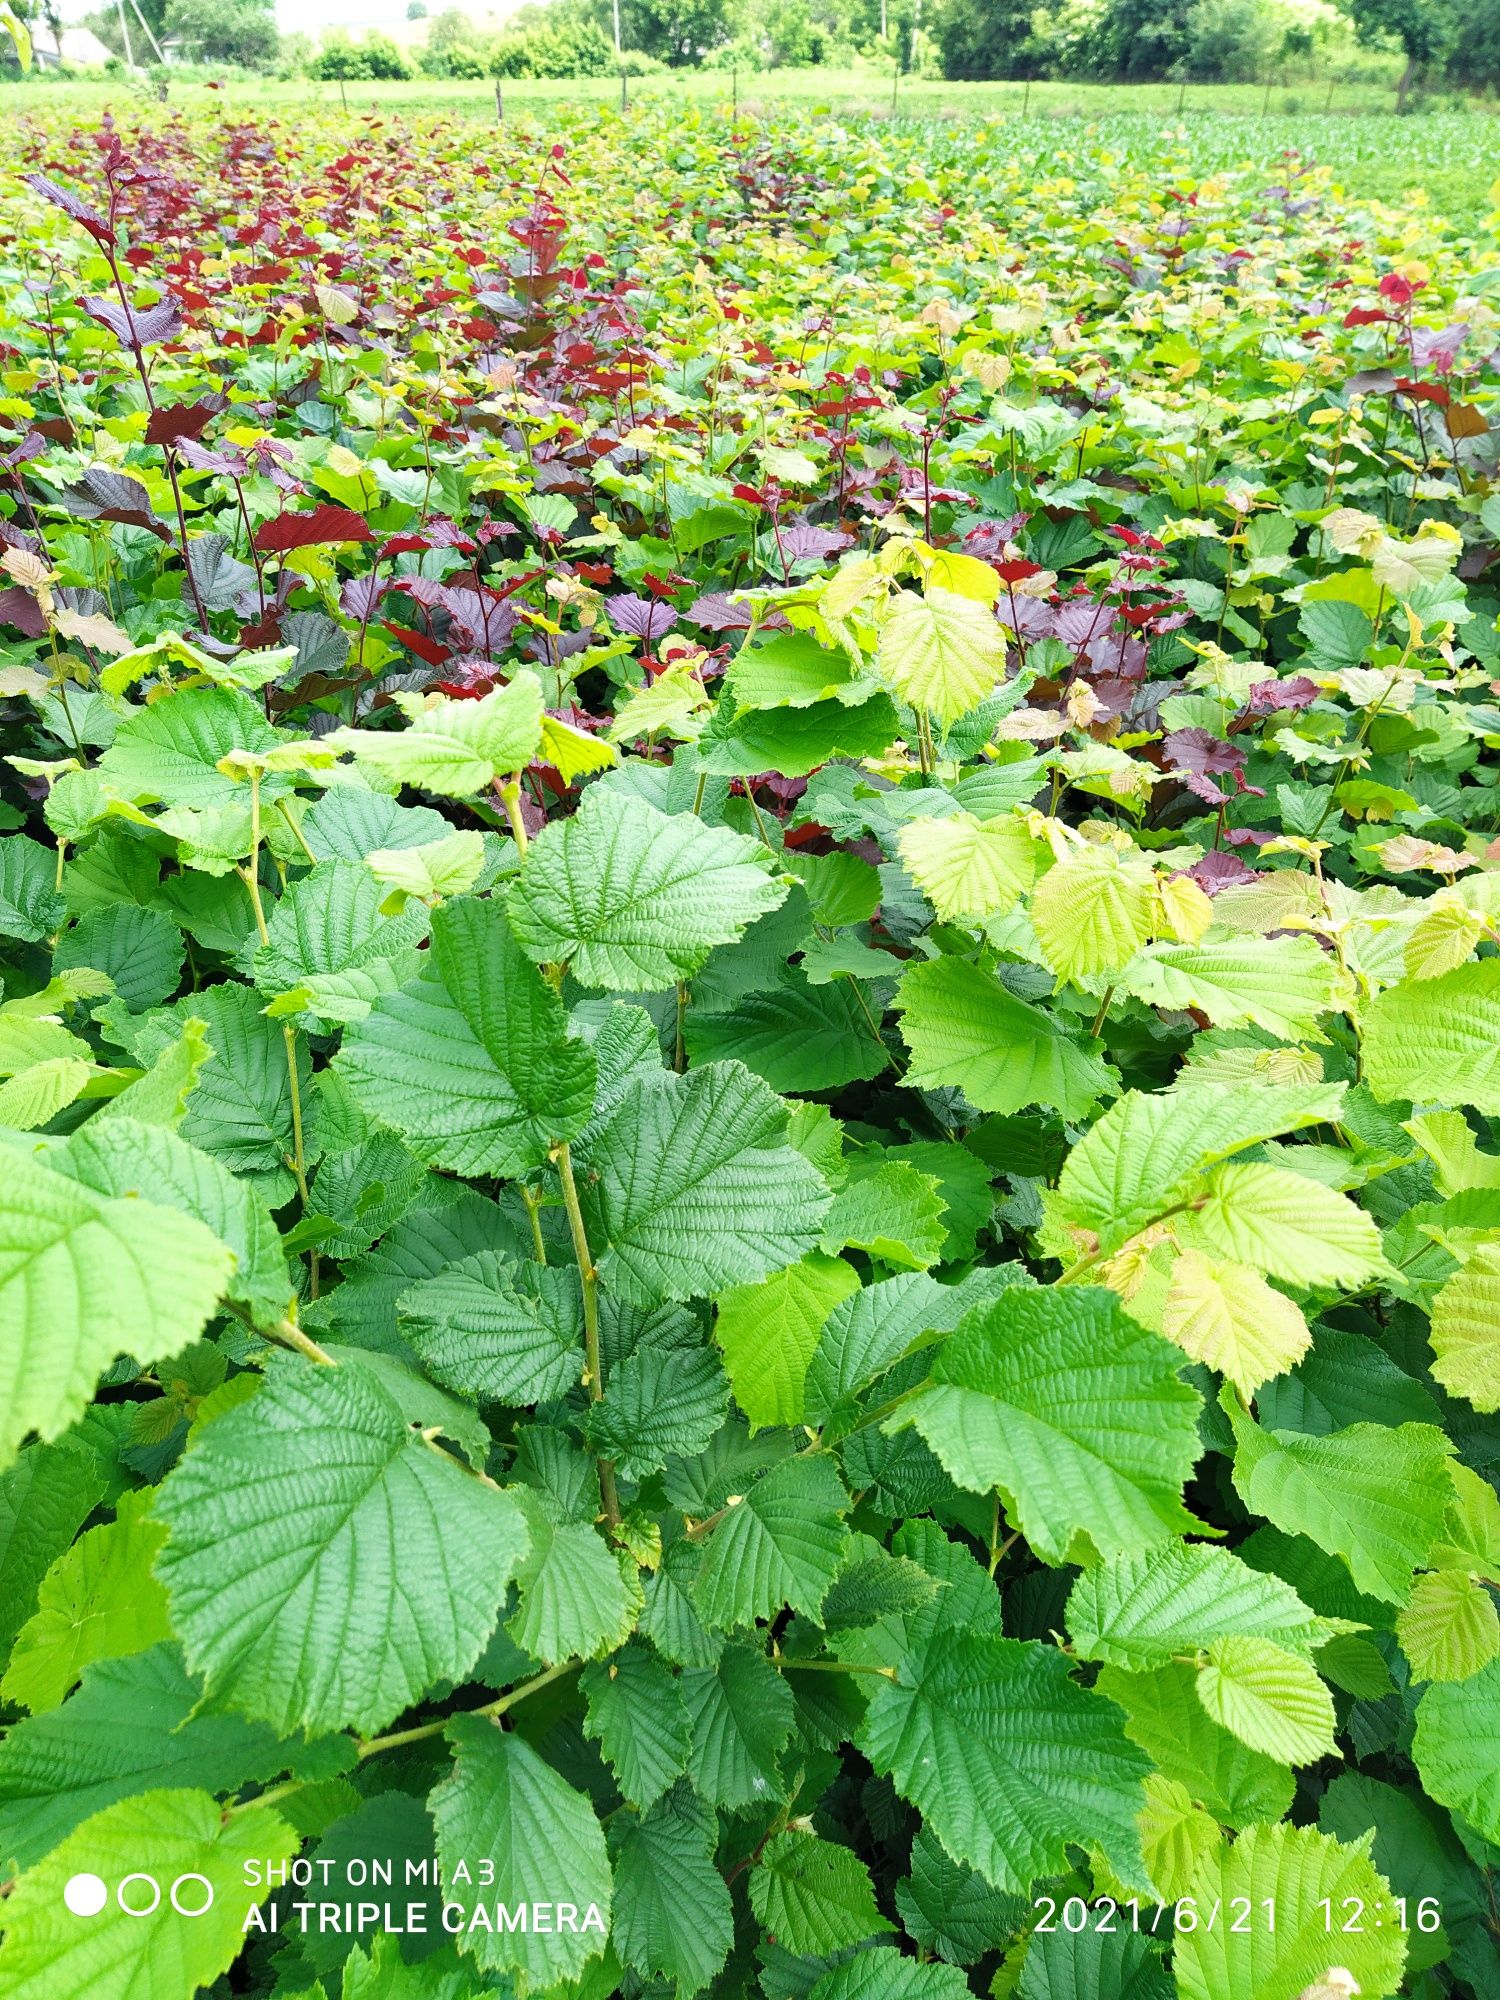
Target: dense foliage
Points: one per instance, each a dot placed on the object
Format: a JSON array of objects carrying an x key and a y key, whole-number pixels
[
  {"x": 1207, "y": 41},
  {"x": 751, "y": 1026}
]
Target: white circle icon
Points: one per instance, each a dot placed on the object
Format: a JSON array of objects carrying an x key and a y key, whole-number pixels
[
  {"x": 144, "y": 1909},
  {"x": 207, "y": 1899},
  {"x": 85, "y": 1895}
]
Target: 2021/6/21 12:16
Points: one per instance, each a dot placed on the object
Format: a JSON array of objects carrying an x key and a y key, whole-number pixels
[
  {"x": 1240, "y": 1915},
  {"x": 1352, "y": 1915}
]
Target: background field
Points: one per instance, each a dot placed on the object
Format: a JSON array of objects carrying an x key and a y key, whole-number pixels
[{"x": 1447, "y": 155}]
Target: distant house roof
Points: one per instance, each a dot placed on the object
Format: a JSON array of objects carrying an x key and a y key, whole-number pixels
[{"x": 79, "y": 45}]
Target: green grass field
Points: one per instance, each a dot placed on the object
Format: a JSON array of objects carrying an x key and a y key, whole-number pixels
[{"x": 1445, "y": 152}]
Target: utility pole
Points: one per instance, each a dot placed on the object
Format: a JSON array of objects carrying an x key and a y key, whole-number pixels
[
  {"x": 125, "y": 32},
  {"x": 150, "y": 37}
]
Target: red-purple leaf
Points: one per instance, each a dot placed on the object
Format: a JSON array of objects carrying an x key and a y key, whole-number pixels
[
  {"x": 1199, "y": 751},
  {"x": 715, "y": 613},
  {"x": 19, "y": 608},
  {"x": 177, "y": 423},
  {"x": 642, "y": 618},
  {"x": 71, "y": 205},
  {"x": 102, "y": 495},
  {"x": 1266, "y": 697},
  {"x": 137, "y": 326},
  {"x": 306, "y": 531}
]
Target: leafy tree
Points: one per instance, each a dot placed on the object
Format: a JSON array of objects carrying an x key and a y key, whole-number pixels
[
  {"x": 1475, "y": 55},
  {"x": 224, "y": 31},
  {"x": 1231, "y": 41},
  {"x": 1424, "y": 31},
  {"x": 570, "y": 46},
  {"x": 987, "y": 38},
  {"x": 1137, "y": 40},
  {"x": 452, "y": 29},
  {"x": 386, "y": 62},
  {"x": 677, "y": 32},
  {"x": 376, "y": 58}
]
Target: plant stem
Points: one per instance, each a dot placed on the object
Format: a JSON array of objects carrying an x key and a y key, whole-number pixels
[
  {"x": 299, "y": 1154},
  {"x": 594, "y": 1374},
  {"x": 289, "y": 1334},
  {"x": 508, "y": 792},
  {"x": 533, "y": 1202},
  {"x": 250, "y": 873},
  {"x": 755, "y": 810},
  {"x": 925, "y": 754},
  {"x": 182, "y": 529},
  {"x": 832, "y": 1667},
  {"x": 874, "y": 1026},
  {"x": 296, "y": 831},
  {"x": 424, "y": 1731},
  {"x": 884, "y": 1410},
  {"x": 266, "y": 1798}
]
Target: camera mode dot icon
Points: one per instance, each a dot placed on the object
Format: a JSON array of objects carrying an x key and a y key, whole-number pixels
[{"x": 85, "y": 1895}]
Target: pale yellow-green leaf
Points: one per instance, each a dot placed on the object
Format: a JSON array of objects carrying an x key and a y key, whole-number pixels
[
  {"x": 1176, "y": 1836},
  {"x": 49, "y": 1953},
  {"x": 673, "y": 704},
  {"x": 1437, "y": 1041},
  {"x": 942, "y": 652},
  {"x": 1470, "y": 1537},
  {"x": 1279, "y": 984},
  {"x": 1443, "y": 939},
  {"x": 1447, "y": 1138},
  {"x": 1093, "y": 911},
  {"x": 98, "y": 1601},
  {"x": 1448, "y": 1628},
  {"x": 91, "y": 628},
  {"x": 1186, "y": 911},
  {"x": 443, "y": 867},
  {"x": 454, "y": 748},
  {"x": 337, "y": 306},
  {"x": 964, "y": 576},
  {"x": 24, "y": 1041},
  {"x": 968, "y": 867},
  {"x": 15, "y": 679},
  {"x": 1465, "y": 1331},
  {"x": 1226, "y": 1316},
  {"x": 1402, "y": 567},
  {"x": 1283, "y": 1224},
  {"x": 29, "y": 1100},
  {"x": 1300, "y": 1874},
  {"x": 1352, "y": 532},
  {"x": 167, "y": 649},
  {"x": 768, "y": 1332},
  {"x": 573, "y": 752},
  {"x": 1273, "y": 1700},
  {"x": 18, "y": 31},
  {"x": 1287, "y": 899}
]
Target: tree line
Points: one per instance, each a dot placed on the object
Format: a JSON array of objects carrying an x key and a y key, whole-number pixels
[{"x": 1209, "y": 41}]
